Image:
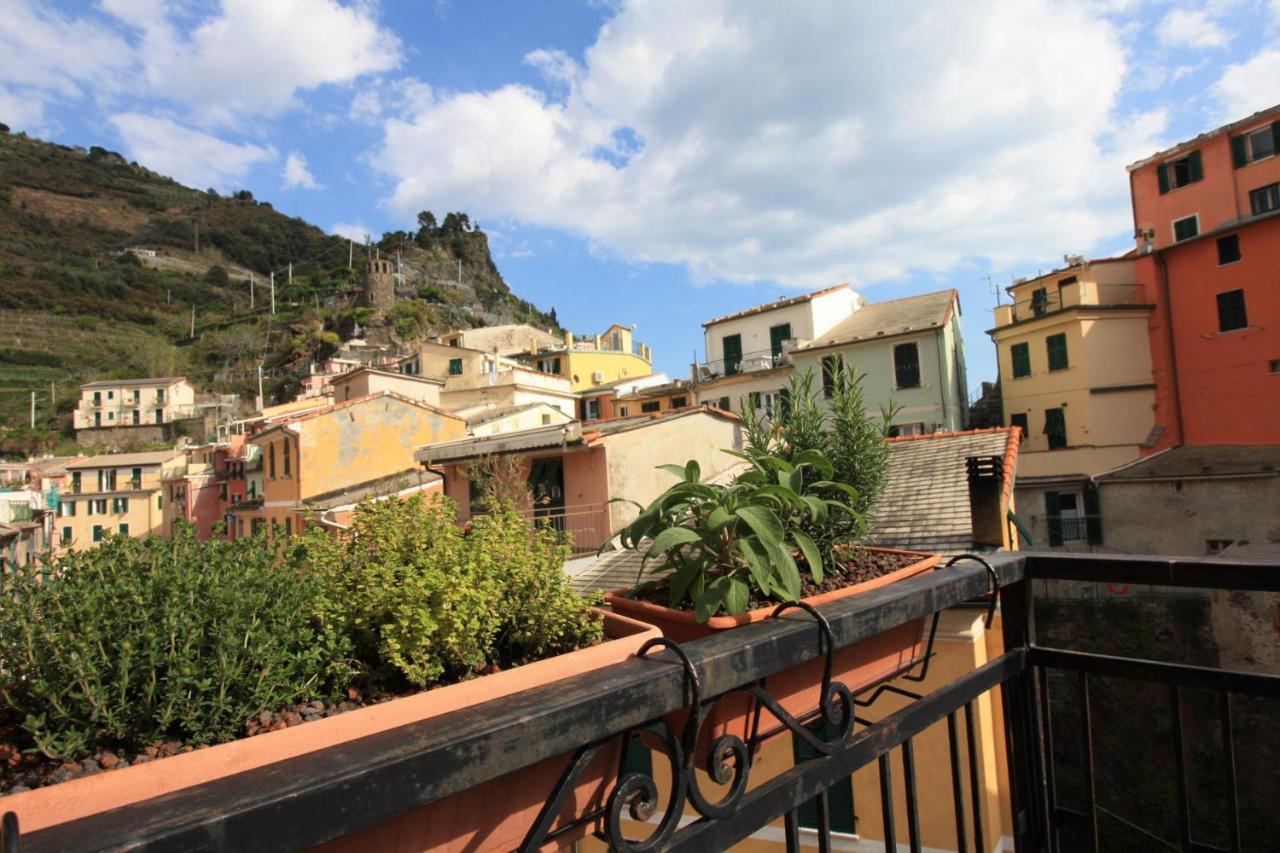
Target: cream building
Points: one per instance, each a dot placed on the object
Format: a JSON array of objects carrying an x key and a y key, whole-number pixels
[
  {"x": 363, "y": 381},
  {"x": 111, "y": 403},
  {"x": 115, "y": 493},
  {"x": 1075, "y": 375},
  {"x": 475, "y": 380}
]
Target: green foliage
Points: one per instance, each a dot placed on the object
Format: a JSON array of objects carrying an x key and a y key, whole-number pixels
[
  {"x": 420, "y": 601},
  {"x": 721, "y": 545},
  {"x": 139, "y": 640},
  {"x": 838, "y": 428},
  {"x": 217, "y": 276}
]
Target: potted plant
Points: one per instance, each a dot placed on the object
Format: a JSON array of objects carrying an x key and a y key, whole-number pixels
[
  {"x": 787, "y": 528},
  {"x": 405, "y": 606}
]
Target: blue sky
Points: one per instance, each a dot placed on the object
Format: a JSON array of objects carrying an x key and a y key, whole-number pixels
[{"x": 661, "y": 163}]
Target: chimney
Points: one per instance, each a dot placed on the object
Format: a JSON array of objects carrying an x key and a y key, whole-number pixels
[
  {"x": 568, "y": 340},
  {"x": 986, "y": 484}
]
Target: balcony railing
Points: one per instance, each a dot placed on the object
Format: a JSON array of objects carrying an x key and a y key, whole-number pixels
[
  {"x": 1053, "y": 756},
  {"x": 1053, "y": 299},
  {"x": 585, "y": 527},
  {"x": 749, "y": 362}
]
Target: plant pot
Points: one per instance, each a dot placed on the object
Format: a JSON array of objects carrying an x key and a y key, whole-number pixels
[
  {"x": 489, "y": 817},
  {"x": 798, "y": 690}
]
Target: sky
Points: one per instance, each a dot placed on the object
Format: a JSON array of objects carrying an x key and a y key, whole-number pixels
[{"x": 661, "y": 163}]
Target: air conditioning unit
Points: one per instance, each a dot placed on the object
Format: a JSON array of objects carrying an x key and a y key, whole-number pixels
[{"x": 597, "y": 377}]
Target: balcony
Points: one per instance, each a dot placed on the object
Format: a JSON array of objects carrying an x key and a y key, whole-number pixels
[
  {"x": 1097, "y": 750},
  {"x": 750, "y": 362},
  {"x": 1049, "y": 300},
  {"x": 584, "y": 527}
]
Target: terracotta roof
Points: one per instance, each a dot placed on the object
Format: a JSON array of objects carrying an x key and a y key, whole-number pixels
[
  {"x": 925, "y": 505},
  {"x": 1208, "y": 134},
  {"x": 377, "y": 488},
  {"x": 886, "y": 319},
  {"x": 308, "y": 414},
  {"x": 121, "y": 460},
  {"x": 771, "y": 306},
  {"x": 1191, "y": 461},
  {"x": 117, "y": 383}
]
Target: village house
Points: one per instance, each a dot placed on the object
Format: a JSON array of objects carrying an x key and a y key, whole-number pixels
[
  {"x": 510, "y": 339},
  {"x": 515, "y": 418},
  {"x": 591, "y": 361},
  {"x": 362, "y": 381},
  {"x": 476, "y": 381},
  {"x": 651, "y": 399},
  {"x": 120, "y": 410},
  {"x": 574, "y": 470},
  {"x": 600, "y": 401},
  {"x": 334, "y": 448},
  {"x": 117, "y": 493}
]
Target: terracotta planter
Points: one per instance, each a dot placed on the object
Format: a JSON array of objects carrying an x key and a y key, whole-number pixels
[
  {"x": 798, "y": 689},
  {"x": 492, "y": 816}
]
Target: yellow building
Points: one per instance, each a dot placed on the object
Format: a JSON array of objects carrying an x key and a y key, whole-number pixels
[
  {"x": 657, "y": 398},
  {"x": 588, "y": 362},
  {"x": 1075, "y": 375},
  {"x": 324, "y": 451},
  {"x": 115, "y": 493}
]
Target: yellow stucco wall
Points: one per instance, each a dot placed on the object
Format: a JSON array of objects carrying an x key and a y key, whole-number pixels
[
  {"x": 580, "y": 367},
  {"x": 145, "y": 508}
]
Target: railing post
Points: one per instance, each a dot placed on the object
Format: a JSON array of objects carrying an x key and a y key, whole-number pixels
[{"x": 1027, "y": 783}]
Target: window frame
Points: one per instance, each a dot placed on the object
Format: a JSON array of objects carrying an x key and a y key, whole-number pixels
[
  {"x": 914, "y": 347},
  {"x": 1025, "y": 348},
  {"x": 1062, "y": 416},
  {"x": 1065, "y": 363},
  {"x": 1173, "y": 226},
  {"x": 1265, "y": 131},
  {"x": 1271, "y": 192},
  {"x": 1231, "y": 238},
  {"x": 1243, "y": 311},
  {"x": 648, "y": 407},
  {"x": 455, "y": 367},
  {"x": 1021, "y": 419}
]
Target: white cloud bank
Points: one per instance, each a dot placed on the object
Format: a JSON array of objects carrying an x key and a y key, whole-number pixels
[
  {"x": 800, "y": 143},
  {"x": 1249, "y": 86},
  {"x": 189, "y": 156},
  {"x": 1191, "y": 28},
  {"x": 296, "y": 175}
]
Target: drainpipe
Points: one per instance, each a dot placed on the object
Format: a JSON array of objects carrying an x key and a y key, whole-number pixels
[{"x": 1173, "y": 349}]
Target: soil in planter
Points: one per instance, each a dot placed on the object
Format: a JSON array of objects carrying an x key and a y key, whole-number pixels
[{"x": 857, "y": 565}]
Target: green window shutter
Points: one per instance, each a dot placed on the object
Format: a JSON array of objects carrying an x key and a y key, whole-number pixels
[
  {"x": 637, "y": 759},
  {"x": 1275, "y": 135},
  {"x": 1092, "y": 514},
  {"x": 1057, "y": 347},
  {"x": 732, "y": 348},
  {"x": 778, "y": 335},
  {"x": 66, "y": 535},
  {"x": 1162, "y": 176},
  {"x": 1019, "y": 420},
  {"x": 1055, "y": 427},
  {"x": 124, "y": 530},
  {"x": 1194, "y": 167},
  {"x": 839, "y": 795},
  {"x": 455, "y": 367},
  {"x": 1024, "y": 532},
  {"x": 97, "y": 533},
  {"x": 1021, "y": 355},
  {"x": 1053, "y": 514},
  {"x": 1238, "y": 155}
]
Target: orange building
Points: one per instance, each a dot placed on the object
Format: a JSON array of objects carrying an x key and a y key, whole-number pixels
[{"x": 1207, "y": 223}]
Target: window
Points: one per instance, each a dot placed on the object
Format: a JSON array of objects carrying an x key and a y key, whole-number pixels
[
  {"x": 1231, "y": 313},
  {"x": 67, "y": 509},
  {"x": 287, "y": 451},
  {"x": 1264, "y": 199},
  {"x": 124, "y": 530},
  {"x": 732, "y": 347},
  {"x": 1228, "y": 249},
  {"x": 724, "y": 404},
  {"x": 135, "y": 478},
  {"x": 97, "y": 533},
  {"x": 1019, "y": 419},
  {"x": 1020, "y": 354},
  {"x": 119, "y": 505},
  {"x": 159, "y": 416},
  {"x": 99, "y": 506},
  {"x": 137, "y": 417},
  {"x": 159, "y": 396},
  {"x": 616, "y": 342},
  {"x": 75, "y": 481},
  {"x": 778, "y": 335},
  {"x": 651, "y": 406},
  {"x": 1255, "y": 145},
  {"x": 66, "y": 536},
  {"x": 159, "y": 501},
  {"x": 97, "y": 419},
  {"x": 1186, "y": 228},
  {"x": 107, "y": 480},
  {"x": 1217, "y": 546},
  {"x": 97, "y": 398},
  {"x": 546, "y": 419},
  {"x": 622, "y": 411},
  {"x": 288, "y": 526},
  {"x": 904, "y": 430},
  {"x": 906, "y": 365},
  {"x": 1055, "y": 427},
  {"x": 111, "y": 416},
  {"x": 839, "y": 796},
  {"x": 111, "y": 395},
  {"x": 593, "y": 410},
  {"x": 1180, "y": 172},
  {"x": 679, "y": 402},
  {"x": 1275, "y": 368},
  {"x": 271, "y": 460},
  {"x": 1057, "y": 347},
  {"x": 455, "y": 367},
  {"x": 832, "y": 372},
  {"x": 1039, "y": 301}
]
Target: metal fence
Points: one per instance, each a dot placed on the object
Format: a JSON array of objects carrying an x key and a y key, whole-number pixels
[{"x": 333, "y": 792}]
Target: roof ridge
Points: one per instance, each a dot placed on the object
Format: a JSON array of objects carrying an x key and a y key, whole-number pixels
[{"x": 953, "y": 434}]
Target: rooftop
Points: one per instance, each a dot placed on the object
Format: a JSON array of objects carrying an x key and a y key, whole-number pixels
[
  {"x": 490, "y": 415},
  {"x": 1190, "y": 461},
  {"x": 343, "y": 378},
  {"x": 354, "y": 401},
  {"x": 1209, "y": 134},
  {"x": 129, "y": 383},
  {"x": 773, "y": 306},
  {"x": 121, "y": 460},
  {"x": 894, "y": 317},
  {"x": 380, "y": 487}
]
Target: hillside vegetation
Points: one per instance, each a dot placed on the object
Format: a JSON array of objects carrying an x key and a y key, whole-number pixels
[{"x": 106, "y": 266}]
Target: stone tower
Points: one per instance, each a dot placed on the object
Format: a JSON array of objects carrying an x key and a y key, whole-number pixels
[{"x": 380, "y": 284}]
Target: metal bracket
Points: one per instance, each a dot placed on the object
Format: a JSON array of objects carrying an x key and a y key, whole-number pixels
[{"x": 993, "y": 583}]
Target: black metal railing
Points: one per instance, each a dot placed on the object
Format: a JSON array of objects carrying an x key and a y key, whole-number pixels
[
  {"x": 340, "y": 790},
  {"x": 747, "y": 362}
]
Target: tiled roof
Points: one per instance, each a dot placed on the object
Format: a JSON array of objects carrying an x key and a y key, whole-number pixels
[
  {"x": 885, "y": 319},
  {"x": 120, "y": 460},
  {"x": 1188, "y": 461},
  {"x": 610, "y": 571},
  {"x": 377, "y": 488},
  {"x": 128, "y": 383},
  {"x": 770, "y": 306},
  {"x": 1239, "y": 123},
  {"x": 925, "y": 505},
  {"x": 308, "y": 414}
]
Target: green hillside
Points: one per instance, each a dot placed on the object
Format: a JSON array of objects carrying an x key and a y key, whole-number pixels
[{"x": 103, "y": 261}]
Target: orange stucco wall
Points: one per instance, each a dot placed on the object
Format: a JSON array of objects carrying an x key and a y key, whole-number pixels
[{"x": 1215, "y": 387}]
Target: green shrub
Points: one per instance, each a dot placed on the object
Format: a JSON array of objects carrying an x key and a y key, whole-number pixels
[
  {"x": 140, "y": 640},
  {"x": 419, "y": 601}
]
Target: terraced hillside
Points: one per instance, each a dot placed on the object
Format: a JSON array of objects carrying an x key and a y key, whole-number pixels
[{"x": 104, "y": 264}]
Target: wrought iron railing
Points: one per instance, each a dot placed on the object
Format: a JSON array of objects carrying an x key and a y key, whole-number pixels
[
  {"x": 340, "y": 790},
  {"x": 584, "y": 527},
  {"x": 747, "y": 362}
]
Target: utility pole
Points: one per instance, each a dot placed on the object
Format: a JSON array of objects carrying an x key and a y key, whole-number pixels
[
  {"x": 459, "y": 272},
  {"x": 290, "y": 275},
  {"x": 260, "y": 397},
  {"x": 197, "y": 224},
  {"x": 33, "y": 409},
  {"x": 168, "y": 296},
  {"x": 351, "y": 249},
  {"x": 193, "y": 321},
  {"x": 251, "y": 291},
  {"x": 273, "y": 291},
  {"x": 53, "y": 403}
]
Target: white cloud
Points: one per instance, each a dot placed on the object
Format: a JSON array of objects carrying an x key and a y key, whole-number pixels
[
  {"x": 1249, "y": 86},
  {"x": 555, "y": 65},
  {"x": 1191, "y": 28},
  {"x": 21, "y": 110},
  {"x": 800, "y": 144},
  {"x": 357, "y": 230},
  {"x": 296, "y": 174},
  {"x": 191, "y": 157}
]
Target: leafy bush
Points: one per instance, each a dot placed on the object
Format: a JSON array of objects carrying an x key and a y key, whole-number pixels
[
  {"x": 140, "y": 640},
  {"x": 723, "y": 544},
  {"x": 420, "y": 601},
  {"x": 841, "y": 431}
]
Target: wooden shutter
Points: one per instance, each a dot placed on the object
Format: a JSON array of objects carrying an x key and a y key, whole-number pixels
[
  {"x": 1162, "y": 176},
  {"x": 777, "y": 336},
  {"x": 839, "y": 795},
  {"x": 1053, "y": 514},
  {"x": 1194, "y": 167},
  {"x": 1057, "y": 350},
  {"x": 732, "y": 346},
  {"x": 1021, "y": 356},
  {"x": 906, "y": 365},
  {"x": 1239, "y": 157},
  {"x": 1092, "y": 514}
]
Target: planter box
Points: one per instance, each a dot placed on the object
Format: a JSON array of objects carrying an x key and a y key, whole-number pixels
[
  {"x": 492, "y": 816},
  {"x": 798, "y": 689}
]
